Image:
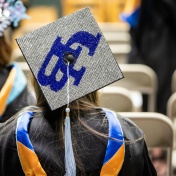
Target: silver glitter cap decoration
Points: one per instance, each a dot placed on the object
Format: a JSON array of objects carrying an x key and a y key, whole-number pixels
[{"x": 77, "y": 35}]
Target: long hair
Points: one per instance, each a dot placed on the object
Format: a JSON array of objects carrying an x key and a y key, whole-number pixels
[
  {"x": 86, "y": 102},
  {"x": 78, "y": 108},
  {"x": 83, "y": 106},
  {"x": 5, "y": 51}
]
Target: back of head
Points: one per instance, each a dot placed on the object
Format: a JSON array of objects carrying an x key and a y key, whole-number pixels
[{"x": 87, "y": 102}]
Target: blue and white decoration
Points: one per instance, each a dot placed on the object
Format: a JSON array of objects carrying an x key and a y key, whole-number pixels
[
  {"x": 94, "y": 66},
  {"x": 11, "y": 12},
  {"x": 58, "y": 49}
]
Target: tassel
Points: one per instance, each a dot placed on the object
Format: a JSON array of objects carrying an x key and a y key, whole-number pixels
[{"x": 70, "y": 165}]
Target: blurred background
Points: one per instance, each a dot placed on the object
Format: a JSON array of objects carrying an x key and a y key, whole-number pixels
[
  {"x": 42, "y": 12},
  {"x": 141, "y": 35}
]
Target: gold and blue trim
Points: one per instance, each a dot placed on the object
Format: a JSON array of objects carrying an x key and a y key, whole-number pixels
[
  {"x": 31, "y": 166},
  {"x": 14, "y": 85},
  {"x": 6, "y": 90},
  {"x": 28, "y": 158},
  {"x": 115, "y": 151},
  {"x": 19, "y": 84}
]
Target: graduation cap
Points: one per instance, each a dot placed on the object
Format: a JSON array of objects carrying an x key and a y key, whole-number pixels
[
  {"x": 76, "y": 35},
  {"x": 75, "y": 38}
]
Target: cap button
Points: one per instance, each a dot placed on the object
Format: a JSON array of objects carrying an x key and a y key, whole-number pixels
[{"x": 69, "y": 58}]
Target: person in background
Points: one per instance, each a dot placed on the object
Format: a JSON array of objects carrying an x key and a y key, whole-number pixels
[
  {"x": 66, "y": 132},
  {"x": 159, "y": 159},
  {"x": 90, "y": 126},
  {"x": 13, "y": 84},
  {"x": 153, "y": 41}
]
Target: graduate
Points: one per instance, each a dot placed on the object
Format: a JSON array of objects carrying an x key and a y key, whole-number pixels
[
  {"x": 14, "y": 93},
  {"x": 66, "y": 132}
]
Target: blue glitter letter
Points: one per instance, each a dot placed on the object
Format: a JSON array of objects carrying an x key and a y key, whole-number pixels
[{"x": 58, "y": 49}]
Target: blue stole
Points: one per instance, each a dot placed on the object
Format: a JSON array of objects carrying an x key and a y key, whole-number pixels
[
  {"x": 115, "y": 151},
  {"x": 31, "y": 166},
  {"x": 14, "y": 85}
]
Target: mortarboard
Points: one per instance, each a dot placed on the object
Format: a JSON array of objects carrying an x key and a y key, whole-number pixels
[
  {"x": 92, "y": 66},
  {"x": 78, "y": 35}
]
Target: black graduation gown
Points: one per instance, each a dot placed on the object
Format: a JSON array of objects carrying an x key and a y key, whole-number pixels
[
  {"x": 153, "y": 43},
  {"x": 89, "y": 148}
]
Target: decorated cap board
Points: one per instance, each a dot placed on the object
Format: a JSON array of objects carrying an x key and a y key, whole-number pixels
[
  {"x": 77, "y": 35},
  {"x": 69, "y": 58}
]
